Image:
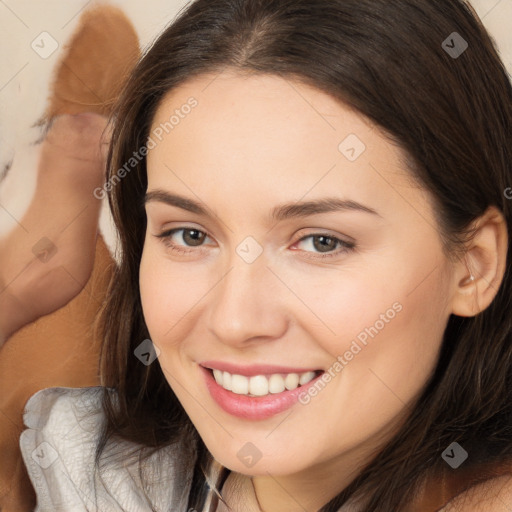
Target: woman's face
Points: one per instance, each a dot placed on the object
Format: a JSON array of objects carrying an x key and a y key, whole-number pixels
[{"x": 293, "y": 242}]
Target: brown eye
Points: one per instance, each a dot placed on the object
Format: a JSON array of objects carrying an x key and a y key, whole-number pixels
[
  {"x": 193, "y": 237},
  {"x": 180, "y": 239},
  {"x": 321, "y": 246},
  {"x": 324, "y": 243}
]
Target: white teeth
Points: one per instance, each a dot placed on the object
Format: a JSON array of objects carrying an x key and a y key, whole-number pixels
[
  {"x": 306, "y": 377},
  {"x": 291, "y": 381},
  {"x": 226, "y": 381},
  {"x": 276, "y": 384},
  {"x": 239, "y": 384},
  {"x": 217, "y": 374},
  {"x": 259, "y": 385}
]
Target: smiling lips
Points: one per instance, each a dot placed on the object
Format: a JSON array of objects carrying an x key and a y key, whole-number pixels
[{"x": 256, "y": 392}]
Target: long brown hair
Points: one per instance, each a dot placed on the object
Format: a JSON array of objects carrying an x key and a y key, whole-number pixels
[{"x": 451, "y": 114}]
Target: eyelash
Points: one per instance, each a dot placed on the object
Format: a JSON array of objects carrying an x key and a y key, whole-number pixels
[{"x": 346, "y": 246}]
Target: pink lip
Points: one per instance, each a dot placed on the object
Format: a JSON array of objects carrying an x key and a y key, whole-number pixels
[
  {"x": 253, "y": 408},
  {"x": 254, "y": 369}
]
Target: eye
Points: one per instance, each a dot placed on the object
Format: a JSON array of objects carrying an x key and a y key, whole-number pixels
[
  {"x": 328, "y": 246},
  {"x": 183, "y": 241},
  {"x": 189, "y": 237}
]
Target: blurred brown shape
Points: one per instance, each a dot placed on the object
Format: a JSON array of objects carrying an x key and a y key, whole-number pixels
[
  {"x": 62, "y": 349},
  {"x": 100, "y": 55}
]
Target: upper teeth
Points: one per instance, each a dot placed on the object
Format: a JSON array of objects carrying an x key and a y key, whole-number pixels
[{"x": 260, "y": 385}]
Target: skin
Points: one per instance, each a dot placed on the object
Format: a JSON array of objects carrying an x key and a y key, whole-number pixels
[
  {"x": 70, "y": 167},
  {"x": 252, "y": 143}
]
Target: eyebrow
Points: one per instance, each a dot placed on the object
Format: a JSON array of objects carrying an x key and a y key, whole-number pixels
[{"x": 278, "y": 213}]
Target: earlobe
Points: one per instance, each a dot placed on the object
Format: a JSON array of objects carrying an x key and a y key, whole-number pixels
[{"x": 478, "y": 276}]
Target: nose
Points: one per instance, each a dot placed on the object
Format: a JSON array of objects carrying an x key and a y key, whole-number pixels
[{"x": 247, "y": 305}]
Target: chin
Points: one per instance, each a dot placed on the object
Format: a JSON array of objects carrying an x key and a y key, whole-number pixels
[{"x": 247, "y": 459}]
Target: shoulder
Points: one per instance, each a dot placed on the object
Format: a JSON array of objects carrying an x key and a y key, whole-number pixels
[
  {"x": 62, "y": 407},
  {"x": 59, "y": 449},
  {"x": 58, "y": 445},
  {"x": 494, "y": 494}
]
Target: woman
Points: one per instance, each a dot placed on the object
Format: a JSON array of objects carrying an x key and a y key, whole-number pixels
[{"x": 312, "y": 305}]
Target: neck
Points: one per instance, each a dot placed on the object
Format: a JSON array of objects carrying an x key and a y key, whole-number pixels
[{"x": 299, "y": 492}]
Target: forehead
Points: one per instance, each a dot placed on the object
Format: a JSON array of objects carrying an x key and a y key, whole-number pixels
[
  {"x": 259, "y": 106},
  {"x": 264, "y": 133}
]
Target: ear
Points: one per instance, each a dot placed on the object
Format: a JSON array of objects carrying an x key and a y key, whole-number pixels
[{"x": 486, "y": 260}]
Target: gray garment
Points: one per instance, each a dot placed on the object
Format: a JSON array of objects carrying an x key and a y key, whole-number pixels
[{"x": 58, "y": 449}]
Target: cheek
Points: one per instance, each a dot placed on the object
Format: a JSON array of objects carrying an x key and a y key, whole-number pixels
[
  {"x": 167, "y": 299},
  {"x": 383, "y": 349},
  {"x": 172, "y": 294},
  {"x": 387, "y": 331},
  {"x": 159, "y": 289},
  {"x": 335, "y": 306}
]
